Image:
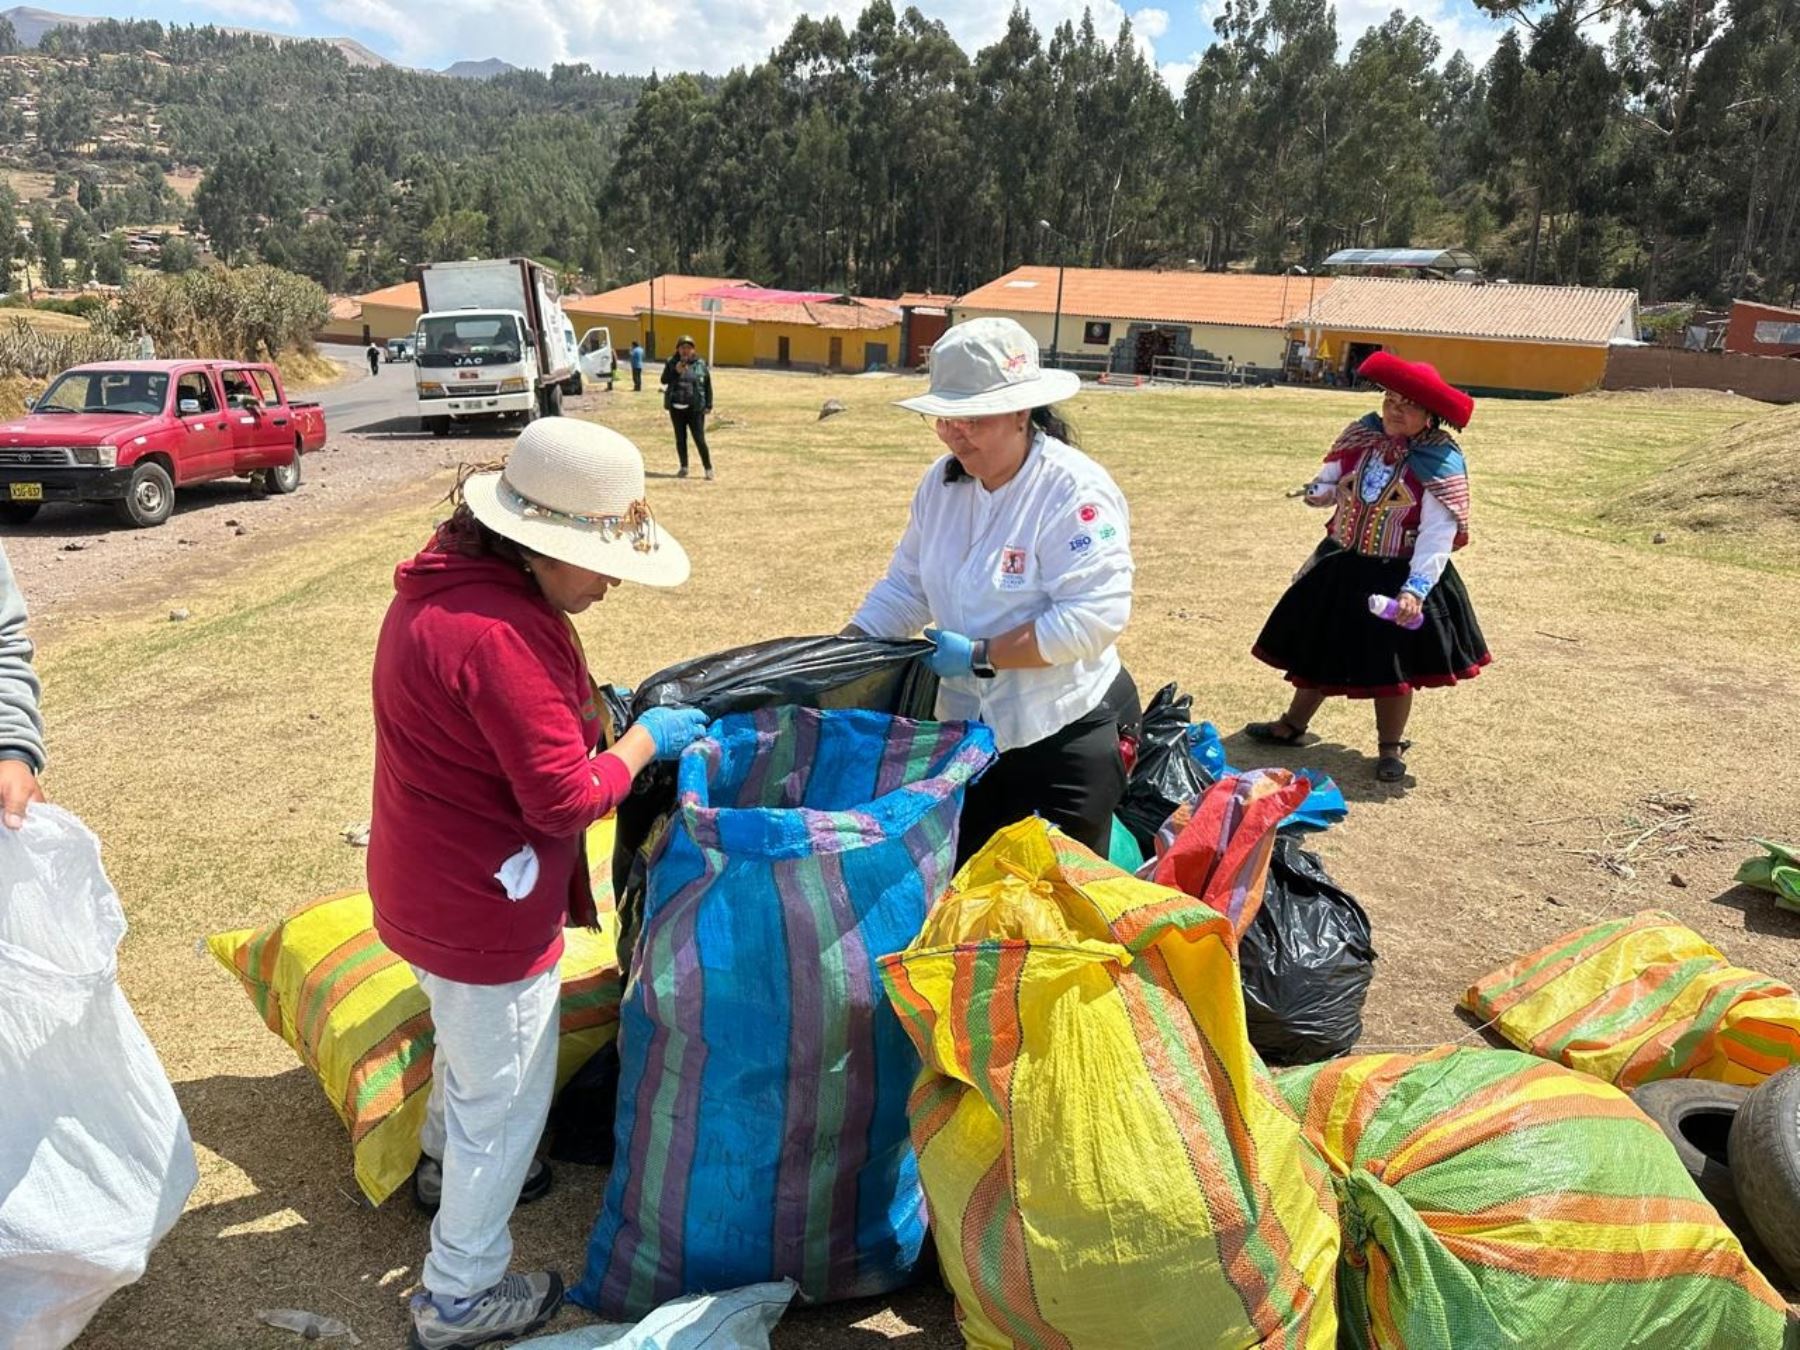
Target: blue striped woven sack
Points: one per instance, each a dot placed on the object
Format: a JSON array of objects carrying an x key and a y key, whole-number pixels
[{"x": 762, "y": 1129}]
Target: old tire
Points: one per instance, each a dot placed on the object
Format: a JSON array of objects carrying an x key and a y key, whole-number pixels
[
  {"x": 437, "y": 426},
  {"x": 553, "y": 401},
  {"x": 149, "y": 497},
  {"x": 282, "y": 479},
  {"x": 574, "y": 387},
  {"x": 1697, "y": 1117},
  {"x": 1765, "y": 1148},
  {"x": 18, "y": 513}
]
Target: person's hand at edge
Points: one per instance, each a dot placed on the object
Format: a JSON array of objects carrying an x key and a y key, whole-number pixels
[
  {"x": 19, "y": 788},
  {"x": 955, "y": 654}
]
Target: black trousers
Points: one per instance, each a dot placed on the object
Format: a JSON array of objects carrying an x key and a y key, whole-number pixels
[
  {"x": 374, "y": 364},
  {"x": 691, "y": 418},
  {"x": 637, "y": 379},
  {"x": 1074, "y": 779}
]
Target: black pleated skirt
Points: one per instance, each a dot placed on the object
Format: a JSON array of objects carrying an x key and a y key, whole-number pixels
[{"x": 1321, "y": 635}]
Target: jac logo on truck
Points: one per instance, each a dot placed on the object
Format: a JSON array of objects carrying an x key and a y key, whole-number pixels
[{"x": 470, "y": 360}]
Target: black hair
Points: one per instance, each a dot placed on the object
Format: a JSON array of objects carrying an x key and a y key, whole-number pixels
[{"x": 1052, "y": 423}]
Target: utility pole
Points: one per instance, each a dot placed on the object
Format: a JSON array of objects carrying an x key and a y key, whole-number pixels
[{"x": 1056, "y": 323}]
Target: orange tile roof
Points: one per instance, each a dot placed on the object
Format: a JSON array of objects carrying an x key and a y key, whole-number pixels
[
  {"x": 1230, "y": 299},
  {"x": 674, "y": 290},
  {"x": 404, "y": 295},
  {"x": 1583, "y": 315},
  {"x": 345, "y": 307},
  {"x": 925, "y": 300},
  {"x": 851, "y": 314}
]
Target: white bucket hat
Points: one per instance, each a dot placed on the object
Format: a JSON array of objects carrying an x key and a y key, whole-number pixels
[
  {"x": 988, "y": 366},
  {"x": 574, "y": 491}
]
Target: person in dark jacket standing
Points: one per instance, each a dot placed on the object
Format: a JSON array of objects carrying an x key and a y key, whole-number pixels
[
  {"x": 373, "y": 355},
  {"x": 688, "y": 395},
  {"x": 486, "y": 779}
]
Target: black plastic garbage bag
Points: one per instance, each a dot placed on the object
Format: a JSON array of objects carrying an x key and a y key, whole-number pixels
[
  {"x": 581, "y": 1117},
  {"x": 1165, "y": 775},
  {"x": 1306, "y": 961},
  {"x": 874, "y": 674}
]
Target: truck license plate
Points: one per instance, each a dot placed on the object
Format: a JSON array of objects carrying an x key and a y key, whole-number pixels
[{"x": 27, "y": 492}]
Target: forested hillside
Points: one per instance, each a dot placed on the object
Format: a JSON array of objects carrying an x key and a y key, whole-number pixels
[
  {"x": 347, "y": 174},
  {"x": 1653, "y": 144}
]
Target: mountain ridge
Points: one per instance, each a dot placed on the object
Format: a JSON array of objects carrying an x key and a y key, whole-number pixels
[{"x": 30, "y": 23}]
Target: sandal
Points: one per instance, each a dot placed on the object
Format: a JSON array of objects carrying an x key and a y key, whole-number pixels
[
  {"x": 1391, "y": 768},
  {"x": 1279, "y": 732}
]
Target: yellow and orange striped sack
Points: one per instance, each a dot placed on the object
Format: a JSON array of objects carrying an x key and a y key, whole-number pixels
[
  {"x": 1490, "y": 1199},
  {"x": 1106, "y": 1161},
  {"x": 327, "y": 985},
  {"x": 1633, "y": 1000}
]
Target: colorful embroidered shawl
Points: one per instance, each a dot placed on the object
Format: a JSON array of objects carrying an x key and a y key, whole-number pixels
[{"x": 1388, "y": 526}]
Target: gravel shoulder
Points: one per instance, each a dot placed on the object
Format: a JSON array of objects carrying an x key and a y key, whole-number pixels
[{"x": 77, "y": 566}]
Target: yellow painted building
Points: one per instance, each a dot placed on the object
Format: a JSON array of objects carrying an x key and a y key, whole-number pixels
[
  {"x": 1123, "y": 320},
  {"x": 777, "y": 330},
  {"x": 392, "y": 311},
  {"x": 625, "y": 311},
  {"x": 1493, "y": 338},
  {"x": 343, "y": 322}
]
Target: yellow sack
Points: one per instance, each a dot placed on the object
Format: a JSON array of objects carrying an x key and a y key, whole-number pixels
[
  {"x": 325, "y": 983},
  {"x": 1637, "y": 999},
  {"x": 1106, "y": 1161}
]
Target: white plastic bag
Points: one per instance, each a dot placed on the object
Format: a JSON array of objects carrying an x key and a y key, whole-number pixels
[
  {"x": 740, "y": 1319},
  {"x": 95, "y": 1158}
]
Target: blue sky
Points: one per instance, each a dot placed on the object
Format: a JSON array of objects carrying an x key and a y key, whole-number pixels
[{"x": 715, "y": 35}]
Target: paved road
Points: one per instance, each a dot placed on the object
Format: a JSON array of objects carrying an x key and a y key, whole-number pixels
[{"x": 366, "y": 405}]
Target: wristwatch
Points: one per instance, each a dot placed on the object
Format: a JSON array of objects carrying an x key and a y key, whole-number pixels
[{"x": 979, "y": 665}]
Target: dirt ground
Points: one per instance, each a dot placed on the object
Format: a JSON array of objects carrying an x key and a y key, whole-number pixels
[{"x": 1635, "y": 685}]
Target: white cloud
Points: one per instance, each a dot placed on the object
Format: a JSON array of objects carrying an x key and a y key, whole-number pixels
[
  {"x": 252, "y": 13},
  {"x": 1152, "y": 23}
]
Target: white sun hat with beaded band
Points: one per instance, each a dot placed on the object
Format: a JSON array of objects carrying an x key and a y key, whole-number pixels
[
  {"x": 574, "y": 491},
  {"x": 988, "y": 366}
]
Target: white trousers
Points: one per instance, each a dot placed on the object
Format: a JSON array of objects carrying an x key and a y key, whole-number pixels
[{"x": 491, "y": 1085}]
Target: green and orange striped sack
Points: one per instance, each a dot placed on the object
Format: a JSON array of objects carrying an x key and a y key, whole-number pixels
[
  {"x": 1633, "y": 1000},
  {"x": 1106, "y": 1161},
  {"x": 325, "y": 983},
  {"x": 1491, "y": 1199}
]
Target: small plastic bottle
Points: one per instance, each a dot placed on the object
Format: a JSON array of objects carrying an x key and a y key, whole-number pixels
[{"x": 1386, "y": 607}]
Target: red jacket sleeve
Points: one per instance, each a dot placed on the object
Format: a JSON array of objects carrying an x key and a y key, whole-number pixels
[{"x": 529, "y": 714}]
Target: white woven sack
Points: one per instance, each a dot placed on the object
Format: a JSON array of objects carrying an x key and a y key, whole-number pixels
[{"x": 95, "y": 1158}]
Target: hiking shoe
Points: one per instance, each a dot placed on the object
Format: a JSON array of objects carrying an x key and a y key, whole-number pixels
[
  {"x": 709, "y": 476},
  {"x": 681, "y": 472},
  {"x": 518, "y": 1305},
  {"x": 428, "y": 1183}
]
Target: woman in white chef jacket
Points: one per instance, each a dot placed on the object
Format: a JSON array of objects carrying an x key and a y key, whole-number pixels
[{"x": 1016, "y": 563}]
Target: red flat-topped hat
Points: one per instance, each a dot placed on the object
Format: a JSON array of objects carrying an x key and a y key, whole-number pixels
[{"x": 1422, "y": 384}]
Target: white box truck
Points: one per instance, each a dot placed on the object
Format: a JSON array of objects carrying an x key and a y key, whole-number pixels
[{"x": 492, "y": 343}]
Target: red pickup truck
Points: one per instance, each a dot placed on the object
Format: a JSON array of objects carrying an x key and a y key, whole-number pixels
[{"x": 131, "y": 432}]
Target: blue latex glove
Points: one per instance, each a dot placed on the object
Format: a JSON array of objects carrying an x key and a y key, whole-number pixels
[
  {"x": 955, "y": 654},
  {"x": 673, "y": 729}
]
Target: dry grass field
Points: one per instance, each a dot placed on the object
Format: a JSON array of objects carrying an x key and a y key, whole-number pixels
[{"x": 219, "y": 758}]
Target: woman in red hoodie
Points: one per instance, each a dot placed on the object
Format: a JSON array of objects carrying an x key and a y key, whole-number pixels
[{"x": 486, "y": 779}]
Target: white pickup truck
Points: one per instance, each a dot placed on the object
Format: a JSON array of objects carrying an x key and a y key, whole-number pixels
[{"x": 492, "y": 343}]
